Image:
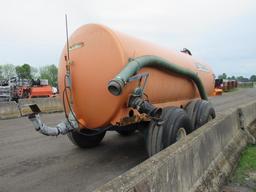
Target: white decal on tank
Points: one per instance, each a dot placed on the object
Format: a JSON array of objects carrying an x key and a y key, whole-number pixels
[
  {"x": 76, "y": 46},
  {"x": 201, "y": 67}
]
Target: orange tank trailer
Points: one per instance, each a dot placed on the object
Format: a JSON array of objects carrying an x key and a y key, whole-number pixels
[
  {"x": 110, "y": 81},
  {"x": 98, "y": 53}
]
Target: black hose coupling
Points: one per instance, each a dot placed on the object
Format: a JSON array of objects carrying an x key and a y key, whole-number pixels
[{"x": 143, "y": 106}]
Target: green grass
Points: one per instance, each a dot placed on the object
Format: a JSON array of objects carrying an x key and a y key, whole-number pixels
[{"x": 245, "y": 173}]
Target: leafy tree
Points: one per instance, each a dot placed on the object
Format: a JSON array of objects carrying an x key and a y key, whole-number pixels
[
  {"x": 231, "y": 78},
  {"x": 34, "y": 72},
  {"x": 223, "y": 76},
  {"x": 8, "y": 71},
  {"x": 253, "y": 78},
  {"x": 24, "y": 71},
  {"x": 242, "y": 79},
  {"x": 1, "y": 72},
  {"x": 49, "y": 72}
]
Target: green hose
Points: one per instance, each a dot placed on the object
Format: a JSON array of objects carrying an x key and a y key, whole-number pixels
[{"x": 117, "y": 84}]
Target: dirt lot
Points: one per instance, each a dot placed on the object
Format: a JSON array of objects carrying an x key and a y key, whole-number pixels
[{"x": 33, "y": 162}]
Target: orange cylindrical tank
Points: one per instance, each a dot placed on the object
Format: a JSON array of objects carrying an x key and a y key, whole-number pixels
[{"x": 98, "y": 54}]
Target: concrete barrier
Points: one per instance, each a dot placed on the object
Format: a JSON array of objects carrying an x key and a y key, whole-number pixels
[
  {"x": 9, "y": 109},
  {"x": 46, "y": 105},
  {"x": 247, "y": 116},
  {"x": 200, "y": 162},
  {"x": 248, "y": 113},
  {"x": 13, "y": 110}
]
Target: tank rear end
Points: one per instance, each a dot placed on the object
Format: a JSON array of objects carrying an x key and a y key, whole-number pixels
[{"x": 96, "y": 57}]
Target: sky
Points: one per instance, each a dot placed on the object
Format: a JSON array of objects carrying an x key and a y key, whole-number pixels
[{"x": 219, "y": 32}]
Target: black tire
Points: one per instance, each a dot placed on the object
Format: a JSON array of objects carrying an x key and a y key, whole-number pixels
[
  {"x": 83, "y": 140},
  {"x": 200, "y": 112},
  {"x": 126, "y": 133},
  {"x": 160, "y": 135}
]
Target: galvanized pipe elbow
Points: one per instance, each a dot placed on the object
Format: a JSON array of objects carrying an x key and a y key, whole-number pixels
[{"x": 62, "y": 128}]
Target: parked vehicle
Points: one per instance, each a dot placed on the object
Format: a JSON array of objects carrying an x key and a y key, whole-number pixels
[
  {"x": 14, "y": 89},
  {"x": 110, "y": 81},
  {"x": 5, "y": 91}
]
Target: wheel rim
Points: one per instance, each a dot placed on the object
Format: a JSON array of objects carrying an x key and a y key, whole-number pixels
[{"x": 181, "y": 133}]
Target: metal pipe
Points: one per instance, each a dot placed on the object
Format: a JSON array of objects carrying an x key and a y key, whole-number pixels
[
  {"x": 62, "y": 128},
  {"x": 117, "y": 84},
  {"x": 144, "y": 106}
]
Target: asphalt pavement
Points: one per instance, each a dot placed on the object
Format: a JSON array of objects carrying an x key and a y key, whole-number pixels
[{"x": 32, "y": 162}]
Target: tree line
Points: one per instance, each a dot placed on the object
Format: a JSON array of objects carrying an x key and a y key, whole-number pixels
[
  {"x": 27, "y": 71},
  {"x": 238, "y": 78}
]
